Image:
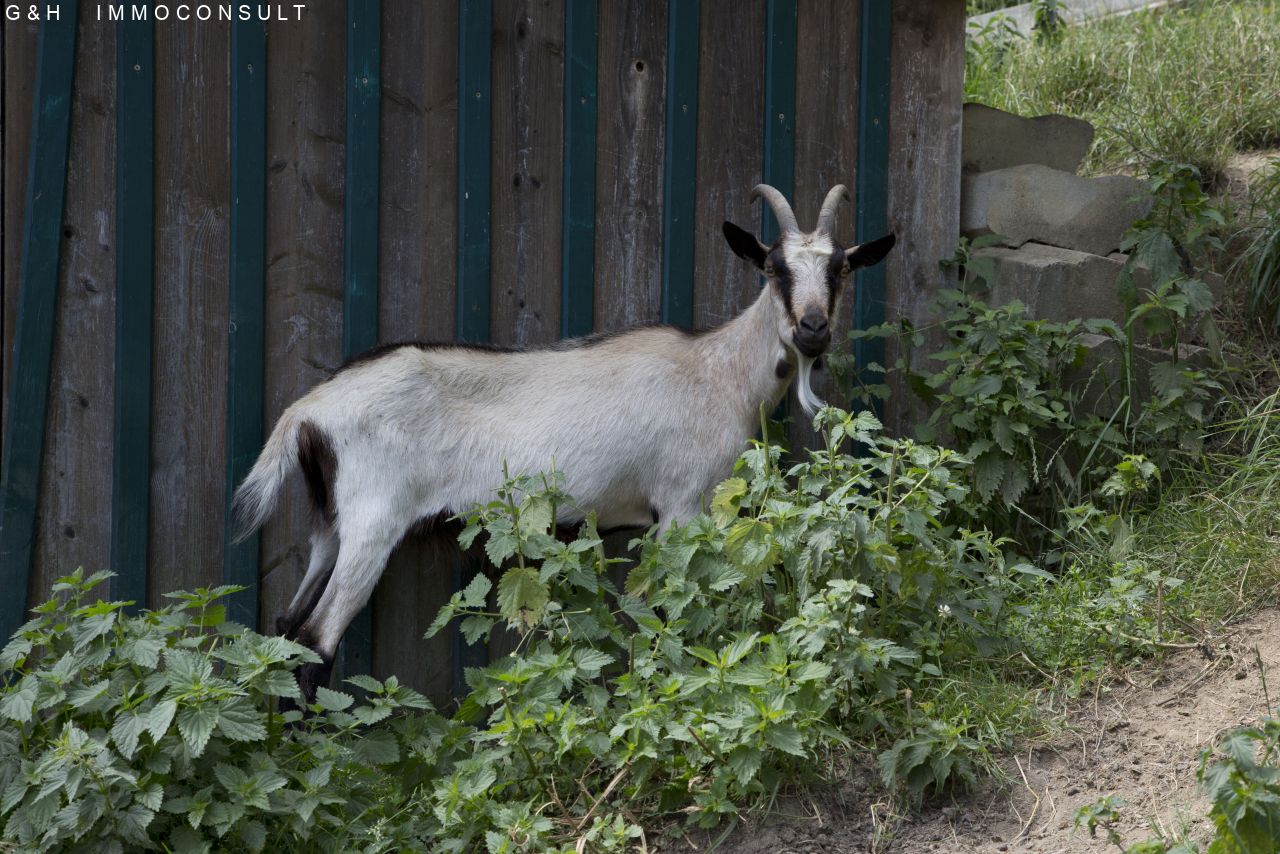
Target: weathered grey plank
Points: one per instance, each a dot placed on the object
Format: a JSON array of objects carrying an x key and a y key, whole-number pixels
[
  {"x": 305, "y": 144},
  {"x": 730, "y": 99},
  {"x": 74, "y": 519},
  {"x": 18, "y": 66},
  {"x": 192, "y": 182},
  {"x": 924, "y": 163},
  {"x": 528, "y": 171},
  {"x": 826, "y": 151},
  {"x": 632, "y": 81},
  {"x": 418, "y": 262}
]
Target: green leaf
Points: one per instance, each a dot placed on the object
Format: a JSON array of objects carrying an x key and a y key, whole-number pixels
[
  {"x": 279, "y": 683},
  {"x": 727, "y": 499},
  {"x": 17, "y": 703},
  {"x": 591, "y": 661},
  {"x": 786, "y": 738},
  {"x": 160, "y": 717},
  {"x": 376, "y": 747},
  {"x": 522, "y": 596},
  {"x": 535, "y": 515},
  {"x": 749, "y": 544},
  {"x": 126, "y": 728},
  {"x": 476, "y": 593},
  {"x": 195, "y": 724},
  {"x": 238, "y": 720},
  {"x": 367, "y": 683},
  {"x": 333, "y": 701}
]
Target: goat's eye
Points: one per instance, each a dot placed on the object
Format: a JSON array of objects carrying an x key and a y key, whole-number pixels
[{"x": 845, "y": 270}]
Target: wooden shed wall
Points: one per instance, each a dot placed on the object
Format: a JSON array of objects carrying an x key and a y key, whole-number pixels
[{"x": 417, "y": 250}]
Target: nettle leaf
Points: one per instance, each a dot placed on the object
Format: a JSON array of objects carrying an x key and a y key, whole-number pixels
[
  {"x": 279, "y": 683},
  {"x": 535, "y": 515},
  {"x": 786, "y": 738},
  {"x": 160, "y": 717},
  {"x": 591, "y": 661},
  {"x": 16, "y": 705},
  {"x": 333, "y": 701},
  {"x": 988, "y": 472},
  {"x": 750, "y": 545},
  {"x": 126, "y": 728},
  {"x": 238, "y": 720},
  {"x": 522, "y": 596},
  {"x": 727, "y": 499},
  {"x": 83, "y": 695},
  {"x": 195, "y": 724},
  {"x": 476, "y": 593},
  {"x": 376, "y": 747}
]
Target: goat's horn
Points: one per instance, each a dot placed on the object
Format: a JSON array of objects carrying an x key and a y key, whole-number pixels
[
  {"x": 827, "y": 216},
  {"x": 782, "y": 210}
]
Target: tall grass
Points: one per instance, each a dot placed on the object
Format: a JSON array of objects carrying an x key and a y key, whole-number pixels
[{"x": 1193, "y": 82}]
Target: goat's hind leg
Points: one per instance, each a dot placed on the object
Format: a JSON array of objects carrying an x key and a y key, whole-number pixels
[
  {"x": 362, "y": 557},
  {"x": 324, "y": 554}
]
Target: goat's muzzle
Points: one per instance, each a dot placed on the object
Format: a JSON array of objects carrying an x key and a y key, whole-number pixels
[{"x": 812, "y": 334}]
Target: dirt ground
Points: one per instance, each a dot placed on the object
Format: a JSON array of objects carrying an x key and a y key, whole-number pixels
[{"x": 1140, "y": 741}]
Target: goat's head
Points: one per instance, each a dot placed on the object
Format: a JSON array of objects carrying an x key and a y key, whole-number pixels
[{"x": 806, "y": 271}]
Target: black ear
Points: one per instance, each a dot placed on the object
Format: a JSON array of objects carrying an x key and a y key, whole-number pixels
[
  {"x": 871, "y": 253},
  {"x": 744, "y": 244}
]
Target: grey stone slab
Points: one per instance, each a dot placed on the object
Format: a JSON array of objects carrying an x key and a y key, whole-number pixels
[
  {"x": 993, "y": 139},
  {"x": 1036, "y": 203}
]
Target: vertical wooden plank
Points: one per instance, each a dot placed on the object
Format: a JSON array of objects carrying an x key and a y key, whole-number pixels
[
  {"x": 577, "y": 294},
  {"x": 245, "y": 346},
  {"x": 730, "y": 103},
  {"x": 475, "y": 90},
  {"x": 188, "y": 453},
  {"x": 416, "y": 300},
  {"x": 17, "y": 63},
  {"x": 629, "y": 171},
  {"x": 74, "y": 525},
  {"x": 679, "y": 170},
  {"x": 924, "y": 161},
  {"x": 33, "y": 349},
  {"x": 360, "y": 239},
  {"x": 475, "y": 78},
  {"x": 135, "y": 218},
  {"x": 875, "y": 61},
  {"x": 826, "y": 149},
  {"x": 779, "y": 108},
  {"x": 528, "y": 162}
]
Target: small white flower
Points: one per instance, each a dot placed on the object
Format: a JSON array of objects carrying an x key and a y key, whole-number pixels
[{"x": 944, "y": 610}]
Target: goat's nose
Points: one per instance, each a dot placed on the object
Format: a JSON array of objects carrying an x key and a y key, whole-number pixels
[{"x": 813, "y": 323}]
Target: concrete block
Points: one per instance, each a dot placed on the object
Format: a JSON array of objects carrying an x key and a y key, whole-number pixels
[
  {"x": 1034, "y": 202},
  {"x": 1054, "y": 283},
  {"x": 992, "y": 139},
  {"x": 1100, "y": 375}
]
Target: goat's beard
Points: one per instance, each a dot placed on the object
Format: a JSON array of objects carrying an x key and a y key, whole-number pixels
[{"x": 809, "y": 401}]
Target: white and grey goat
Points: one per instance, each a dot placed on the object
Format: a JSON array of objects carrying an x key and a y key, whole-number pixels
[{"x": 642, "y": 422}]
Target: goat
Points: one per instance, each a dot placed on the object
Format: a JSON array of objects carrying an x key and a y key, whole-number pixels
[{"x": 641, "y": 422}]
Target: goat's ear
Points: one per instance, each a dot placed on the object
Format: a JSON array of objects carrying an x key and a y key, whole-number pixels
[
  {"x": 744, "y": 244},
  {"x": 870, "y": 253}
]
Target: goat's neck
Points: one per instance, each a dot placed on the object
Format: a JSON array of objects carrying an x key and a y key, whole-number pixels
[{"x": 741, "y": 359}]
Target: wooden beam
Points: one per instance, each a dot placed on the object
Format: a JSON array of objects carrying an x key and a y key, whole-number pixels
[
  {"x": 779, "y": 108},
  {"x": 680, "y": 162},
  {"x": 360, "y": 240},
  {"x": 135, "y": 245},
  {"x": 37, "y": 305},
  {"x": 577, "y": 294},
  {"x": 246, "y": 344}
]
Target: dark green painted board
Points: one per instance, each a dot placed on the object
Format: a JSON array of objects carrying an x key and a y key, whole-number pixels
[
  {"x": 872, "y": 194},
  {"x": 475, "y": 50},
  {"x": 360, "y": 244},
  {"x": 679, "y": 172},
  {"x": 37, "y": 304},
  {"x": 577, "y": 296},
  {"x": 135, "y": 221},
  {"x": 475, "y": 23},
  {"x": 779, "y": 108},
  {"x": 246, "y": 346}
]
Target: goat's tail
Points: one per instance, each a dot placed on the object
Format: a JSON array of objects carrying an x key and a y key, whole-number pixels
[{"x": 256, "y": 497}]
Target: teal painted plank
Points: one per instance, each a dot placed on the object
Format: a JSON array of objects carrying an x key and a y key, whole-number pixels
[
  {"x": 135, "y": 228},
  {"x": 577, "y": 293},
  {"x": 779, "y": 107},
  {"x": 360, "y": 243},
  {"x": 246, "y": 346},
  {"x": 873, "y": 178},
  {"x": 475, "y": 47},
  {"x": 475, "y": 25},
  {"x": 37, "y": 305},
  {"x": 679, "y": 165}
]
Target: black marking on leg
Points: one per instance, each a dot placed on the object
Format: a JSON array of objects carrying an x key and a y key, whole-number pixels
[
  {"x": 287, "y": 623},
  {"x": 320, "y": 467}
]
